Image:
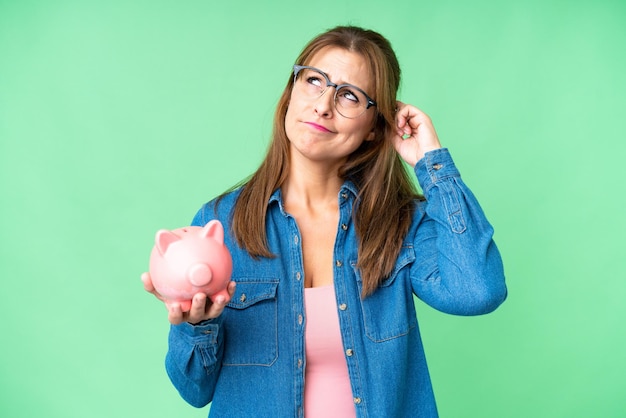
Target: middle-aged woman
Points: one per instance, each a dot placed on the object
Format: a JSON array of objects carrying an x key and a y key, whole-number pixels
[{"x": 330, "y": 241}]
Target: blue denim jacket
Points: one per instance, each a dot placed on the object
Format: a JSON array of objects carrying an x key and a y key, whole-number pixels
[{"x": 250, "y": 361}]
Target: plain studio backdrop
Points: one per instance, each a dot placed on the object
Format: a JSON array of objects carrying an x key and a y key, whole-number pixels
[{"x": 119, "y": 118}]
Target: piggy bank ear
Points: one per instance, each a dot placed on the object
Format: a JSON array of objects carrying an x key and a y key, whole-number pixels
[
  {"x": 214, "y": 230},
  {"x": 164, "y": 239}
]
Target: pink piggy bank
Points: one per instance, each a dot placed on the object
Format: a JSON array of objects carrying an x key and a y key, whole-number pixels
[{"x": 190, "y": 260}]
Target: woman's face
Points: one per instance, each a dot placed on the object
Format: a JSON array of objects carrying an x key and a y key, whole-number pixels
[{"x": 315, "y": 129}]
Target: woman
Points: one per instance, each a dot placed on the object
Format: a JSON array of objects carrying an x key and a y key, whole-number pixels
[{"x": 330, "y": 241}]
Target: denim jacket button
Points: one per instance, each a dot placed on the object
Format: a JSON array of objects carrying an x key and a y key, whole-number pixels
[
  {"x": 437, "y": 166},
  {"x": 343, "y": 307},
  {"x": 300, "y": 319},
  {"x": 349, "y": 352},
  {"x": 357, "y": 400},
  {"x": 298, "y": 276},
  {"x": 243, "y": 297},
  {"x": 344, "y": 227},
  {"x": 338, "y": 263}
]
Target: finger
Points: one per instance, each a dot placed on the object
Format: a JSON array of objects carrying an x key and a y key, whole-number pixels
[
  {"x": 175, "y": 315},
  {"x": 407, "y": 120},
  {"x": 197, "y": 312},
  {"x": 418, "y": 124},
  {"x": 147, "y": 282},
  {"x": 149, "y": 286},
  {"x": 217, "y": 307},
  {"x": 220, "y": 302},
  {"x": 402, "y": 117},
  {"x": 232, "y": 286}
]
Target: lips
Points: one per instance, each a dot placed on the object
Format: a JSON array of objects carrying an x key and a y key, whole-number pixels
[{"x": 318, "y": 127}]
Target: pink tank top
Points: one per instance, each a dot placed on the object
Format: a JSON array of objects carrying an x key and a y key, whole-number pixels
[{"x": 327, "y": 391}]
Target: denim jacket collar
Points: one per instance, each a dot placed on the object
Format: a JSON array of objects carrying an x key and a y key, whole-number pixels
[{"x": 347, "y": 187}]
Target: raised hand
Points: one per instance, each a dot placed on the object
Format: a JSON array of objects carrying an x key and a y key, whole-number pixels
[{"x": 415, "y": 134}]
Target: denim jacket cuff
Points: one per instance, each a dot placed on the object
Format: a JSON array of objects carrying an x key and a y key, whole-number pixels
[
  {"x": 436, "y": 165},
  {"x": 205, "y": 329}
]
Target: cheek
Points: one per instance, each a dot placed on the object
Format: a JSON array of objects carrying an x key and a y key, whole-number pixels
[
  {"x": 291, "y": 104},
  {"x": 294, "y": 109},
  {"x": 366, "y": 131},
  {"x": 289, "y": 120}
]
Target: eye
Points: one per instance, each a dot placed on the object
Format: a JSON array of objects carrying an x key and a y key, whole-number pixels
[
  {"x": 315, "y": 81},
  {"x": 346, "y": 94}
]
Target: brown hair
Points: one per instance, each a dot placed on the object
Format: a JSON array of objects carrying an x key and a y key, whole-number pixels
[{"x": 384, "y": 207}]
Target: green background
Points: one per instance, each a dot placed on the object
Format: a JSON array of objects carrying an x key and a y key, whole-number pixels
[{"x": 118, "y": 118}]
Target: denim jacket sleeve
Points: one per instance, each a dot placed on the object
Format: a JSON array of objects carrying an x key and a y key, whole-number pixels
[
  {"x": 458, "y": 268},
  {"x": 192, "y": 360}
]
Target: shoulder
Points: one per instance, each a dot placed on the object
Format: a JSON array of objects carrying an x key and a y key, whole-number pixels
[
  {"x": 219, "y": 208},
  {"x": 419, "y": 207}
]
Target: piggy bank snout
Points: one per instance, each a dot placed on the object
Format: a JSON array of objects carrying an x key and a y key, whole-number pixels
[{"x": 200, "y": 274}]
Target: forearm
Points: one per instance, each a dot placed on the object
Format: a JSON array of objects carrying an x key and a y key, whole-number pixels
[
  {"x": 193, "y": 360},
  {"x": 461, "y": 272}
]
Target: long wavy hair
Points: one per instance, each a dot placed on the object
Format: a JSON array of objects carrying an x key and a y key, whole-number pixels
[{"x": 385, "y": 203}]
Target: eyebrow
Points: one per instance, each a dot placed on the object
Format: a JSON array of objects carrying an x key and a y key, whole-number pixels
[{"x": 338, "y": 83}]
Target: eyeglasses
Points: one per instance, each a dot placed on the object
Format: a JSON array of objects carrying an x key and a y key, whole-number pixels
[{"x": 350, "y": 101}]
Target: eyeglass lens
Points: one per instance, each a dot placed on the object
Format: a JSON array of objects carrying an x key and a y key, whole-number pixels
[{"x": 349, "y": 100}]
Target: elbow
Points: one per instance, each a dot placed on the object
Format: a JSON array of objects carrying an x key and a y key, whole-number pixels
[
  {"x": 492, "y": 301},
  {"x": 194, "y": 395},
  {"x": 470, "y": 300},
  {"x": 196, "y": 402},
  {"x": 193, "y": 391},
  {"x": 484, "y": 300},
  {"x": 488, "y": 287}
]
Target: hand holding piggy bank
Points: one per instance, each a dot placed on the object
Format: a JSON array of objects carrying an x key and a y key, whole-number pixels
[{"x": 191, "y": 260}]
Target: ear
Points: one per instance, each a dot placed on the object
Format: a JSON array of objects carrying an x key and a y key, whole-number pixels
[
  {"x": 370, "y": 136},
  {"x": 164, "y": 239},
  {"x": 214, "y": 230}
]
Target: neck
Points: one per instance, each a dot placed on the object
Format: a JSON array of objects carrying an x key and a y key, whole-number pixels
[{"x": 311, "y": 186}]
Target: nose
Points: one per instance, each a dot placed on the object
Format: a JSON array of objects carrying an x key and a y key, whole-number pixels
[{"x": 325, "y": 103}]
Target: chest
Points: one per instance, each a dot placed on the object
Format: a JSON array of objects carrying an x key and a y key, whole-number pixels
[{"x": 318, "y": 237}]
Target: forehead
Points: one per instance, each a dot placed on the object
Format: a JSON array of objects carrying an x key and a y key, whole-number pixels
[{"x": 343, "y": 66}]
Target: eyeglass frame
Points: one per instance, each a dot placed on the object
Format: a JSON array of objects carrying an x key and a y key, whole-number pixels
[{"x": 370, "y": 102}]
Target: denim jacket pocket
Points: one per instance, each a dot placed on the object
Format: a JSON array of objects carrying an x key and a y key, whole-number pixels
[
  {"x": 251, "y": 316},
  {"x": 389, "y": 312}
]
